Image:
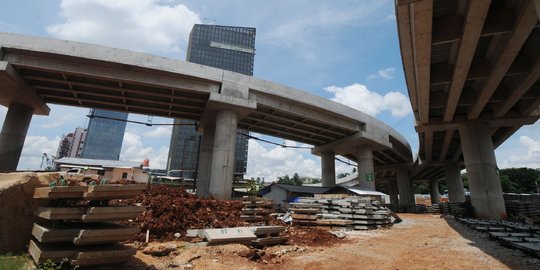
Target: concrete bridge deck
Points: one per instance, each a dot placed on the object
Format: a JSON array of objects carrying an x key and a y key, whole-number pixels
[{"x": 35, "y": 71}]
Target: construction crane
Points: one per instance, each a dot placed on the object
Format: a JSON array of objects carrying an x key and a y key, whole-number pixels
[{"x": 48, "y": 162}]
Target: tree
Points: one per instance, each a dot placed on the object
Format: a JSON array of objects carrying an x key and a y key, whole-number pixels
[
  {"x": 523, "y": 179},
  {"x": 421, "y": 188},
  {"x": 295, "y": 180}
]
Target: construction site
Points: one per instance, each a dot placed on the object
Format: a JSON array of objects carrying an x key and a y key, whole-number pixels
[{"x": 471, "y": 70}]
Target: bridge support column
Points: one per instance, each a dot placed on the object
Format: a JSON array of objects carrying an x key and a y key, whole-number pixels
[
  {"x": 366, "y": 175},
  {"x": 13, "y": 134},
  {"x": 393, "y": 191},
  {"x": 328, "y": 169},
  {"x": 205, "y": 161},
  {"x": 434, "y": 191},
  {"x": 222, "y": 167},
  {"x": 405, "y": 188},
  {"x": 456, "y": 192},
  {"x": 484, "y": 183}
]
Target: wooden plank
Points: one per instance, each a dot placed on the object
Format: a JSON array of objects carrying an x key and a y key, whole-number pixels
[{"x": 60, "y": 213}]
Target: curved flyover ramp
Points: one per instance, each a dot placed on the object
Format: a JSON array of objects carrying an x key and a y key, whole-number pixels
[
  {"x": 36, "y": 71},
  {"x": 473, "y": 75}
]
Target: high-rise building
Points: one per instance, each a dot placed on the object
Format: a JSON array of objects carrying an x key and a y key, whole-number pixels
[
  {"x": 226, "y": 47},
  {"x": 104, "y": 135},
  {"x": 71, "y": 144}
]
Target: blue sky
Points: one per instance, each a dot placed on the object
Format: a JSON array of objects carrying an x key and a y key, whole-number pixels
[{"x": 347, "y": 51}]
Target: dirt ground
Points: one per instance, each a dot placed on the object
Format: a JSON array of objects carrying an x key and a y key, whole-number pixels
[{"x": 419, "y": 242}]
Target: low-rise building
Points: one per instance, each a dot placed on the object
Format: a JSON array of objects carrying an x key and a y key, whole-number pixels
[
  {"x": 282, "y": 193},
  {"x": 112, "y": 170}
]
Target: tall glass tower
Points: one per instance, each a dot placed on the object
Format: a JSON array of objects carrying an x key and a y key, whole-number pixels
[
  {"x": 104, "y": 135},
  {"x": 226, "y": 47}
]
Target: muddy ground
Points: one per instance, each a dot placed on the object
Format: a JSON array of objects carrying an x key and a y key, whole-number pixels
[{"x": 419, "y": 242}]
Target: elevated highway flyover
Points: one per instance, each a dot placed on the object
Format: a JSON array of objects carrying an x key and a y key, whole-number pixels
[
  {"x": 473, "y": 76},
  {"x": 38, "y": 71}
]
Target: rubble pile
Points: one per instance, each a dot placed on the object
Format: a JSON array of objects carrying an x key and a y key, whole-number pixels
[{"x": 171, "y": 210}]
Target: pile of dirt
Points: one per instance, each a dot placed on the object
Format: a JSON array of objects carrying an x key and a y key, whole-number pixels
[
  {"x": 17, "y": 208},
  {"x": 171, "y": 210},
  {"x": 303, "y": 236}
]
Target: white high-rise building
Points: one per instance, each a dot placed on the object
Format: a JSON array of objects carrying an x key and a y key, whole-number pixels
[{"x": 71, "y": 144}]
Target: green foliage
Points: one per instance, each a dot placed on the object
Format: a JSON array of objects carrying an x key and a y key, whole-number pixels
[
  {"x": 465, "y": 180},
  {"x": 521, "y": 180},
  {"x": 10, "y": 262},
  {"x": 295, "y": 180},
  {"x": 50, "y": 265},
  {"x": 421, "y": 188}
]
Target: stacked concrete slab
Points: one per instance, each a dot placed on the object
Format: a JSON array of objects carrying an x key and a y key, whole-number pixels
[
  {"x": 352, "y": 213},
  {"x": 520, "y": 236},
  {"x": 256, "y": 210},
  {"x": 76, "y": 224}
]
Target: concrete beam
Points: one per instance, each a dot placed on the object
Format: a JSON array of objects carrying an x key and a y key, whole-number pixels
[
  {"x": 13, "y": 134},
  {"x": 348, "y": 144},
  {"x": 474, "y": 22},
  {"x": 421, "y": 25},
  {"x": 403, "y": 18},
  {"x": 508, "y": 121},
  {"x": 299, "y": 109},
  {"x": 218, "y": 102},
  {"x": 15, "y": 90},
  {"x": 520, "y": 90},
  {"x": 484, "y": 183},
  {"x": 106, "y": 72},
  {"x": 448, "y": 135},
  {"x": 527, "y": 19}
]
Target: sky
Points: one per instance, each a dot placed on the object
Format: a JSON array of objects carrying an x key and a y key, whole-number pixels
[{"x": 346, "y": 51}]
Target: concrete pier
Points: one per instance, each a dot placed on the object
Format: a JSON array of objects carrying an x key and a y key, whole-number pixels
[
  {"x": 205, "y": 161},
  {"x": 221, "y": 175},
  {"x": 434, "y": 191},
  {"x": 393, "y": 191},
  {"x": 405, "y": 188},
  {"x": 366, "y": 175},
  {"x": 452, "y": 172},
  {"x": 13, "y": 134},
  {"x": 484, "y": 183},
  {"x": 328, "y": 168}
]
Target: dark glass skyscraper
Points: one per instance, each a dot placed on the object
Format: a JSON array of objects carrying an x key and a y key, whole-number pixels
[
  {"x": 226, "y": 47},
  {"x": 104, "y": 136}
]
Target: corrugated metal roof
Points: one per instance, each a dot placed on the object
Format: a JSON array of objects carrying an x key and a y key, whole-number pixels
[
  {"x": 298, "y": 189},
  {"x": 98, "y": 162},
  {"x": 357, "y": 190}
]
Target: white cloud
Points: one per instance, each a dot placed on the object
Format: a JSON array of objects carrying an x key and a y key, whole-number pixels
[
  {"x": 58, "y": 121},
  {"x": 133, "y": 149},
  {"x": 143, "y": 25},
  {"x": 387, "y": 74},
  {"x": 272, "y": 162},
  {"x": 518, "y": 158},
  {"x": 159, "y": 132},
  {"x": 33, "y": 149},
  {"x": 359, "y": 97}
]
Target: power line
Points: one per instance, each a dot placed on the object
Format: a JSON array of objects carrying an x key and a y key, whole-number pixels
[
  {"x": 274, "y": 143},
  {"x": 139, "y": 122}
]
